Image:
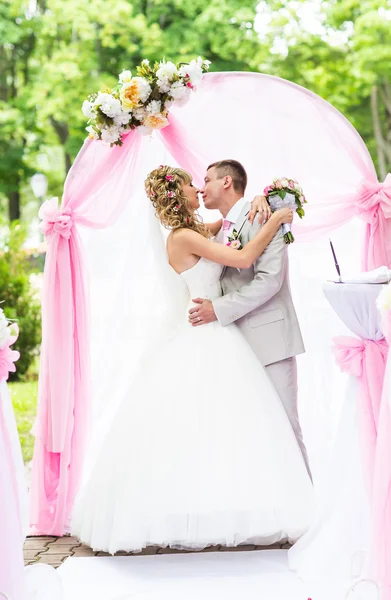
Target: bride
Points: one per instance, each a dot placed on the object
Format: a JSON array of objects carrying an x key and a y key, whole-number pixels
[{"x": 200, "y": 451}]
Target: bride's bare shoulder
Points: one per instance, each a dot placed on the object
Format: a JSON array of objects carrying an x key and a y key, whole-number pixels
[{"x": 180, "y": 236}]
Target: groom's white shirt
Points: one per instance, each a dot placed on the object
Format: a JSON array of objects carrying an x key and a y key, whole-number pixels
[{"x": 235, "y": 213}]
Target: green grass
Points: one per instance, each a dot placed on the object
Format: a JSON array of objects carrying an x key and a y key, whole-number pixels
[{"x": 24, "y": 400}]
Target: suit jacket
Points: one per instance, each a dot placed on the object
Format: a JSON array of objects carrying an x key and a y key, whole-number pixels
[{"x": 259, "y": 299}]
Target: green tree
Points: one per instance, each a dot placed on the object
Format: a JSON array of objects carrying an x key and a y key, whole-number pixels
[
  {"x": 346, "y": 61},
  {"x": 53, "y": 57}
]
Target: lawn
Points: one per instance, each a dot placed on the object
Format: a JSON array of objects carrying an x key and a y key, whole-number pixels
[{"x": 24, "y": 400}]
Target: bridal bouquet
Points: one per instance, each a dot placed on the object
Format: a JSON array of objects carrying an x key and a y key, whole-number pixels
[
  {"x": 141, "y": 101},
  {"x": 286, "y": 193},
  {"x": 8, "y": 336}
]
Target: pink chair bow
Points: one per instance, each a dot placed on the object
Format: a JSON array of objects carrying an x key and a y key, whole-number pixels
[
  {"x": 373, "y": 205},
  {"x": 55, "y": 220}
]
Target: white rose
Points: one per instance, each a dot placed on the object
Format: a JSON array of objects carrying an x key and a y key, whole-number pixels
[
  {"x": 139, "y": 114},
  {"x": 87, "y": 110},
  {"x": 193, "y": 71},
  {"x": 125, "y": 76},
  {"x": 143, "y": 87},
  {"x": 154, "y": 107},
  {"x": 284, "y": 182},
  {"x": 163, "y": 85},
  {"x": 110, "y": 135},
  {"x": 123, "y": 118},
  {"x": 166, "y": 70},
  {"x": 112, "y": 109},
  {"x": 180, "y": 93}
]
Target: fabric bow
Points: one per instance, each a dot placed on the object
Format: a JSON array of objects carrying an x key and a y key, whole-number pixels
[
  {"x": 55, "y": 220},
  {"x": 349, "y": 353},
  {"x": 373, "y": 197}
]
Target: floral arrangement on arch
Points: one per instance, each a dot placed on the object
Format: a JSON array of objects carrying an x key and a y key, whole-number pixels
[
  {"x": 141, "y": 101},
  {"x": 8, "y": 335}
]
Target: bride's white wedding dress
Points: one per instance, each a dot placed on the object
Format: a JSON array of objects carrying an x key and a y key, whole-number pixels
[{"x": 200, "y": 451}]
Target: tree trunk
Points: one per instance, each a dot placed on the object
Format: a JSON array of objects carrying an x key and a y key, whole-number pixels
[
  {"x": 14, "y": 205},
  {"x": 63, "y": 133},
  {"x": 378, "y": 134},
  {"x": 68, "y": 162}
]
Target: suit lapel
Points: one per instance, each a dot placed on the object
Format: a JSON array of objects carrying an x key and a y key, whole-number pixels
[{"x": 239, "y": 224}]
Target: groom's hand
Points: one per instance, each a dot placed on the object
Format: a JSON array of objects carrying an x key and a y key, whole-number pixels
[{"x": 202, "y": 313}]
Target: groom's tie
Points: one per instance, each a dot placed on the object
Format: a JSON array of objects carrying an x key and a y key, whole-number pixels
[{"x": 226, "y": 227}]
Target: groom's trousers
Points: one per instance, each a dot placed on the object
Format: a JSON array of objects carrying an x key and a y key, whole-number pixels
[{"x": 283, "y": 375}]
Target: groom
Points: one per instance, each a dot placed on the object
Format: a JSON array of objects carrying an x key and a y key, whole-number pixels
[{"x": 258, "y": 299}]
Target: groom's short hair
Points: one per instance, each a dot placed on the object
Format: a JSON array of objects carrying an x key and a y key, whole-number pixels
[{"x": 234, "y": 169}]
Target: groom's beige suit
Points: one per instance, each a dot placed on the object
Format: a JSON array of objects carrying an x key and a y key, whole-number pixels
[{"x": 259, "y": 301}]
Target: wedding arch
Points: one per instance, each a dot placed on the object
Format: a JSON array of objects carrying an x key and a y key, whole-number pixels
[{"x": 274, "y": 128}]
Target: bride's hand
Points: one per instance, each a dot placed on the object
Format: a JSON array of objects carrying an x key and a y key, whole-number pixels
[
  {"x": 259, "y": 205},
  {"x": 284, "y": 215}
]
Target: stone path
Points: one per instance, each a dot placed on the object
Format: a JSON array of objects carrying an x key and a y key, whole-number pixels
[{"x": 53, "y": 550}]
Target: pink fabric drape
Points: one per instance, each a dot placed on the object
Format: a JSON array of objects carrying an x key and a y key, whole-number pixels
[
  {"x": 62, "y": 423},
  {"x": 366, "y": 360},
  {"x": 381, "y": 539}
]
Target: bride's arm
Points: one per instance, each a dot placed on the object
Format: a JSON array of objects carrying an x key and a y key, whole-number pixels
[
  {"x": 194, "y": 243},
  {"x": 215, "y": 227}
]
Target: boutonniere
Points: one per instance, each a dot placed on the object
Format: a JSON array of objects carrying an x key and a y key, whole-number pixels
[{"x": 235, "y": 240}]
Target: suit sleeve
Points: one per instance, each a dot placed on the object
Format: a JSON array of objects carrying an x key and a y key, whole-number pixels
[{"x": 269, "y": 271}]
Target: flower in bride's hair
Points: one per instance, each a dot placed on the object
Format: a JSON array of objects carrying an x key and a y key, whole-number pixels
[
  {"x": 176, "y": 208},
  {"x": 169, "y": 177},
  {"x": 156, "y": 121},
  {"x": 171, "y": 194}
]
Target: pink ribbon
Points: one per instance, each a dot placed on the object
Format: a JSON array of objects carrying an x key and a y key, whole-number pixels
[
  {"x": 373, "y": 205},
  {"x": 374, "y": 201},
  {"x": 55, "y": 220},
  {"x": 366, "y": 360}
]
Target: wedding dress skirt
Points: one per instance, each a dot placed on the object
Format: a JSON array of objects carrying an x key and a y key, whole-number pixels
[{"x": 200, "y": 450}]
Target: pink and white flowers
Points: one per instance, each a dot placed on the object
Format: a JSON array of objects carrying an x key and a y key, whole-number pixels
[
  {"x": 141, "y": 101},
  {"x": 8, "y": 336},
  {"x": 286, "y": 193}
]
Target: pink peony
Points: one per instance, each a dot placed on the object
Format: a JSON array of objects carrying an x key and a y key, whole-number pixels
[{"x": 278, "y": 184}]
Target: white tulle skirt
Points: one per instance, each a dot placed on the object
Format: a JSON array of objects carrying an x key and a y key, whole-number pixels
[{"x": 199, "y": 452}]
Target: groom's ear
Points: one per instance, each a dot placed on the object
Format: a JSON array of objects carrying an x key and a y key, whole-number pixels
[{"x": 227, "y": 182}]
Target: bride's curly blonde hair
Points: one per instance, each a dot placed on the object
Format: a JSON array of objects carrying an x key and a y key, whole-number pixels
[{"x": 164, "y": 188}]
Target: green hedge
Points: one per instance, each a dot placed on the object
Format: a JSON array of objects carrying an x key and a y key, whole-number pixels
[{"x": 19, "y": 299}]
